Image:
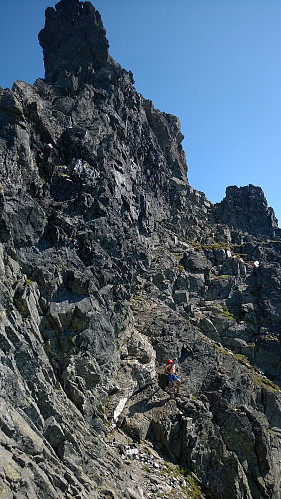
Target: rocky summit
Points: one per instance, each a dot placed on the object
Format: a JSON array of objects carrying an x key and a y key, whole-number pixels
[{"x": 111, "y": 263}]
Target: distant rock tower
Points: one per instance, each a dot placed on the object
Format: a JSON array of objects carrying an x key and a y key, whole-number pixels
[
  {"x": 246, "y": 208},
  {"x": 74, "y": 42}
]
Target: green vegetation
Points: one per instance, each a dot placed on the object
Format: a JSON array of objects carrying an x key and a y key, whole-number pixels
[
  {"x": 242, "y": 359},
  {"x": 61, "y": 263},
  {"x": 134, "y": 302},
  {"x": 195, "y": 489},
  {"x": 244, "y": 256},
  {"x": 263, "y": 243},
  {"x": 258, "y": 376},
  {"x": 224, "y": 246},
  {"x": 221, "y": 349},
  {"x": 177, "y": 255},
  {"x": 28, "y": 282},
  {"x": 267, "y": 383},
  {"x": 2, "y": 315},
  {"x": 169, "y": 469},
  {"x": 271, "y": 337},
  {"x": 66, "y": 177},
  {"x": 225, "y": 312},
  {"x": 136, "y": 298},
  {"x": 229, "y": 246},
  {"x": 190, "y": 488},
  {"x": 198, "y": 246}
]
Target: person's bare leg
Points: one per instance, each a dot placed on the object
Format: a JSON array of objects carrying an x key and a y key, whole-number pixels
[
  {"x": 170, "y": 387},
  {"x": 178, "y": 385}
]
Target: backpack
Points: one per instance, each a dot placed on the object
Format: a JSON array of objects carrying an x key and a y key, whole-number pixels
[{"x": 166, "y": 369}]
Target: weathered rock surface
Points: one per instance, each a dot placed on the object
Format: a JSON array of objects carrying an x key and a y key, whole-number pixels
[
  {"x": 73, "y": 41},
  {"x": 111, "y": 263},
  {"x": 246, "y": 208}
]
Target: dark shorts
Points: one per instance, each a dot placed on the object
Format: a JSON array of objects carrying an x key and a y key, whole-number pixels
[{"x": 172, "y": 377}]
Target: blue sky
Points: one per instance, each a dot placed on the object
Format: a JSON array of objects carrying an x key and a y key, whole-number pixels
[{"x": 215, "y": 64}]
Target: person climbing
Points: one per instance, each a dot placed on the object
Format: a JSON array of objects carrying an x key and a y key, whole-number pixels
[{"x": 171, "y": 370}]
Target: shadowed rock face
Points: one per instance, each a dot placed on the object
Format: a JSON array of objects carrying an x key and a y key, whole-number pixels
[
  {"x": 73, "y": 41},
  {"x": 246, "y": 208},
  {"x": 110, "y": 263}
]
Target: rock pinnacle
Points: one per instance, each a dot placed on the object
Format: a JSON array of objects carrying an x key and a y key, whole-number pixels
[{"x": 73, "y": 40}]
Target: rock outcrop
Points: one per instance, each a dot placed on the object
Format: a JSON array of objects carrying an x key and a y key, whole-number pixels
[
  {"x": 111, "y": 263},
  {"x": 246, "y": 208},
  {"x": 74, "y": 42}
]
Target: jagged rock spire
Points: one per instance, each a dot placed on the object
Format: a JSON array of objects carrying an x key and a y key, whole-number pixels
[
  {"x": 246, "y": 208},
  {"x": 73, "y": 40}
]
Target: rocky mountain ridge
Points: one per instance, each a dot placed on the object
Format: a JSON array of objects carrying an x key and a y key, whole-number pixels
[{"x": 111, "y": 263}]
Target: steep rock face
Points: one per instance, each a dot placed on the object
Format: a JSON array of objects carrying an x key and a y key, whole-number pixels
[
  {"x": 73, "y": 41},
  {"x": 110, "y": 263},
  {"x": 246, "y": 208}
]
